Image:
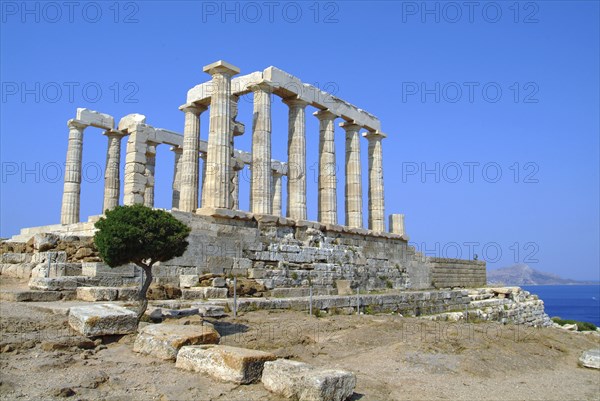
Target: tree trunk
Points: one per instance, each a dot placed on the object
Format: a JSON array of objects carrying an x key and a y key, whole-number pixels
[{"x": 143, "y": 294}]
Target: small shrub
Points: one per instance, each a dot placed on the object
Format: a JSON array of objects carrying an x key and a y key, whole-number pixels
[
  {"x": 294, "y": 276},
  {"x": 389, "y": 284},
  {"x": 581, "y": 326}
]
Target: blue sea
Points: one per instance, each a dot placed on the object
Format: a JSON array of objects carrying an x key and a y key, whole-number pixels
[{"x": 577, "y": 302}]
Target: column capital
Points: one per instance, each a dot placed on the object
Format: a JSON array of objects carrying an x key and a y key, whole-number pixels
[
  {"x": 176, "y": 149},
  {"x": 325, "y": 115},
  {"x": 295, "y": 101},
  {"x": 73, "y": 123},
  {"x": 350, "y": 126},
  {"x": 374, "y": 135},
  {"x": 264, "y": 86},
  {"x": 114, "y": 133},
  {"x": 195, "y": 108},
  {"x": 221, "y": 67}
]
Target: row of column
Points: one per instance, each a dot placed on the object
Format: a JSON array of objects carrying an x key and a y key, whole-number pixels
[{"x": 220, "y": 184}]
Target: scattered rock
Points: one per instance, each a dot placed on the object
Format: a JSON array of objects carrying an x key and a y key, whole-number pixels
[
  {"x": 101, "y": 320},
  {"x": 232, "y": 364},
  {"x": 304, "y": 382},
  {"x": 590, "y": 358},
  {"x": 63, "y": 392},
  {"x": 164, "y": 340},
  {"x": 44, "y": 242},
  {"x": 97, "y": 294}
]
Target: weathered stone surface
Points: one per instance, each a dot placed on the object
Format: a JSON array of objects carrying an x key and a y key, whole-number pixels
[
  {"x": 590, "y": 358},
  {"x": 97, "y": 293},
  {"x": 219, "y": 282},
  {"x": 343, "y": 287},
  {"x": 210, "y": 310},
  {"x": 58, "y": 283},
  {"x": 164, "y": 340},
  {"x": 188, "y": 280},
  {"x": 204, "y": 292},
  {"x": 304, "y": 382},
  {"x": 232, "y": 364},
  {"x": 102, "y": 320},
  {"x": 95, "y": 118},
  {"x": 31, "y": 296},
  {"x": 43, "y": 242}
]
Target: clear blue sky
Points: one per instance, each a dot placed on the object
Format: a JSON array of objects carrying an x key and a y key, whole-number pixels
[{"x": 431, "y": 72}]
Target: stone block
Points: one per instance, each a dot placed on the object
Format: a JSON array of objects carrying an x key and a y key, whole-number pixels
[
  {"x": 304, "y": 382},
  {"x": 256, "y": 273},
  {"x": 129, "y": 122},
  {"x": 232, "y": 364},
  {"x": 127, "y": 293},
  {"x": 31, "y": 296},
  {"x": 102, "y": 320},
  {"x": 15, "y": 258},
  {"x": 219, "y": 264},
  {"x": 188, "y": 280},
  {"x": 53, "y": 283},
  {"x": 95, "y": 119},
  {"x": 45, "y": 241},
  {"x": 219, "y": 282},
  {"x": 164, "y": 340},
  {"x": 94, "y": 294},
  {"x": 203, "y": 293},
  {"x": 55, "y": 257},
  {"x": 210, "y": 310},
  {"x": 343, "y": 287},
  {"x": 98, "y": 269}
]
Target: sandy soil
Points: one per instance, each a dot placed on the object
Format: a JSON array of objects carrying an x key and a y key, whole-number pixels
[{"x": 394, "y": 358}]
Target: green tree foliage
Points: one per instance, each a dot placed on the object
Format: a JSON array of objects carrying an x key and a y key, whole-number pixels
[{"x": 141, "y": 235}]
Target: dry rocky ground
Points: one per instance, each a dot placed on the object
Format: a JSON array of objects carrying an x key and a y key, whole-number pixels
[{"x": 394, "y": 358}]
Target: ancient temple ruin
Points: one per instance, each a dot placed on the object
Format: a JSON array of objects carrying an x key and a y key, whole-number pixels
[{"x": 279, "y": 252}]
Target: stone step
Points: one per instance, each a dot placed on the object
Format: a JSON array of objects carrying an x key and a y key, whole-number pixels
[
  {"x": 301, "y": 381},
  {"x": 164, "y": 340},
  {"x": 61, "y": 283},
  {"x": 232, "y": 364},
  {"x": 35, "y": 296}
]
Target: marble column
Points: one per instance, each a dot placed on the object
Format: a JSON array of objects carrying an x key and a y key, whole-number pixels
[
  {"x": 396, "y": 224},
  {"x": 135, "y": 165},
  {"x": 177, "y": 152},
  {"x": 327, "y": 213},
  {"x": 353, "y": 188},
  {"x": 235, "y": 184},
  {"x": 149, "y": 173},
  {"x": 219, "y": 136},
  {"x": 112, "y": 179},
  {"x": 203, "y": 192},
  {"x": 296, "y": 182},
  {"x": 69, "y": 213},
  {"x": 261, "y": 181},
  {"x": 276, "y": 193},
  {"x": 376, "y": 199},
  {"x": 188, "y": 195}
]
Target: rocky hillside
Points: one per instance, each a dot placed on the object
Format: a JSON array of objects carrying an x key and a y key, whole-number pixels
[{"x": 522, "y": 274}]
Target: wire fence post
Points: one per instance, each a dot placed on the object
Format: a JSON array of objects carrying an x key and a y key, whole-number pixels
[
  {"x": 310, "y": 301},
  {"x": 234, "y": 297}
]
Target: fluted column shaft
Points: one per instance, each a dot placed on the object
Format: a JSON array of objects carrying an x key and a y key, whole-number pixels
[
  {"x": 69, "y": 213},
  {"x": 177, "y": 152},
  {"x": 112, "y": 179},
  {"x": 261, "y": 182},
  {"x": 353, "y": 188},
  {"x": 203, "y": 192},
  {"x": 276, "y": 194},
  {"x": 235, "y": 190},
  {"x": 296, "y": 182},
  {"x": 327, "y": 213},
  {"x": 376, "y": 198},
  {"x": 220, "y": 147},
  {"x": 149, "y": 173},
  {"x": 188, "y": 195}
]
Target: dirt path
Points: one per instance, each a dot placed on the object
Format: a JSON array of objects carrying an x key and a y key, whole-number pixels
[{"x": 394, "y": 359}]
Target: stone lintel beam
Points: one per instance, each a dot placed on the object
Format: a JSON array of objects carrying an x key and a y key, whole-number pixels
[{"x": 95, "y": 119}]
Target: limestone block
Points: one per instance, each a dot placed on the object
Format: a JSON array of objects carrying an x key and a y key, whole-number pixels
[
  {"x": 15, "y": 258},
  {"x": 219, "y": 264},
  {"x": 95, "y": 119},
  {"x": 127, "y": 293},
  {"x": 53, "y": 283},
  {"x": 98, "y": 269},
  {"x": 128, "y": 122},
  {"x": 210, "y": 310},
  {"x": 30, "y": 296},
  {"x": 102, "y": 320},
  {"x": 94, "y": 294},
  {"x": 232, "y": 364},
  {"x": 343, "y": 287},
  {"x": 43, "y": 242},
  {"x": 19, "y": 270},
  {"x": 203, "y": 293},
  {"x": 188, "y": 280},
  {"x": 304, "y": 382},
  {"x": 164, "y": 340},
  {"x": 219, "y": 282},
  {"x": 55, "y": 257},
  {"x": 256, "y": 273}
]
